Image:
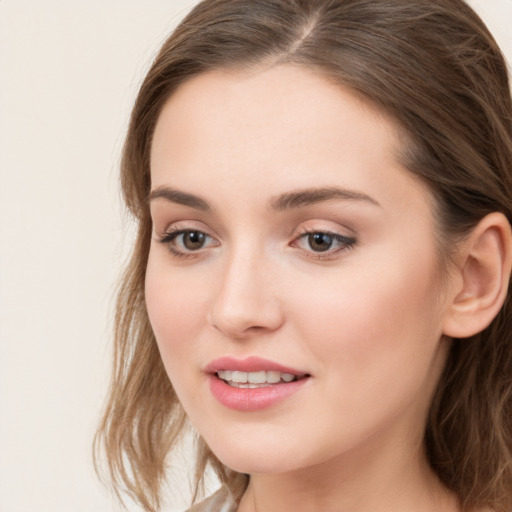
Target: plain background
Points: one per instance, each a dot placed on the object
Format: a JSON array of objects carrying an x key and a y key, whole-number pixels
[{"x": 69, "y": 72}]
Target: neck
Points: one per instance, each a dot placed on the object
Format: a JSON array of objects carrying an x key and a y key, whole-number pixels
[{"x": 381, "y": 479}]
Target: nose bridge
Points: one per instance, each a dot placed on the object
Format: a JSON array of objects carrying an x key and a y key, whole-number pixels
[{"x": 245, "y": 300}]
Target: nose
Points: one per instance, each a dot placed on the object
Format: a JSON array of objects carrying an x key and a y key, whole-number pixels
[{"x": 246, "y": 302}]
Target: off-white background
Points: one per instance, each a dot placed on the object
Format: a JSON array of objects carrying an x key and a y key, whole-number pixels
[{"x": 68, "y": 75}]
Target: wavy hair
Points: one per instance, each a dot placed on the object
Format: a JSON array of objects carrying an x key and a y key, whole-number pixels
[{"x": 435, "y": 69}]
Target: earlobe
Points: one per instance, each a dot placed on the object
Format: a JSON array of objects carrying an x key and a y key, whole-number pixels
[{"x": 483, "y": 280}]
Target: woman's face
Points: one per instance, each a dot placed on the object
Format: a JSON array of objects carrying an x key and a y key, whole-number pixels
[{"x": 289, "y": 243}]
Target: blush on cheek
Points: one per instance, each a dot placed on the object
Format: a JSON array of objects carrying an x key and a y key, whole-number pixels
[
  {"x": 373, "y": 318},
  {"x": 176, "y": 309}
]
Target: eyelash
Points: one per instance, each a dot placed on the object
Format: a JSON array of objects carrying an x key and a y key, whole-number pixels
[
  {"x": 345, "y": 242},
  {"x": 170, "y": 236}
]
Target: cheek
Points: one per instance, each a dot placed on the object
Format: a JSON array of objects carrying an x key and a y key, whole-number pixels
[
  {"x": 177, "y": 310},
  {"x": 376, "y": 332},
  {"x": 372, "y": 299}
]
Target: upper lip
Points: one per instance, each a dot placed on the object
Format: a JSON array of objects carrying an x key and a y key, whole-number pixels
[{"x": 249, "y": 364}]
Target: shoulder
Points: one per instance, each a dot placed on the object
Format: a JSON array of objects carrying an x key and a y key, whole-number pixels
[{"x": 221, "y": 501}]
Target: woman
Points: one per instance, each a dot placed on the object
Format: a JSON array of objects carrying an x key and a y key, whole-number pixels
[{"x": 320, "y": 281}]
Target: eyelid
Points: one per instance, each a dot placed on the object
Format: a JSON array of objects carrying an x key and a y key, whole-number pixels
[
  {"x": 346, "y": 242},
  {"x": 342, "y": 242},
  {"x": 173, "y": 232}
]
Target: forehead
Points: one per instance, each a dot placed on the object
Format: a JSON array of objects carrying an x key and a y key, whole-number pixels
[
  {"x": 286, "y": 125},
  {"x": 288, "y": 100}
]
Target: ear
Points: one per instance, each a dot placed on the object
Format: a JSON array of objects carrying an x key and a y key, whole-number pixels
[{"x": 482, "y": 278}]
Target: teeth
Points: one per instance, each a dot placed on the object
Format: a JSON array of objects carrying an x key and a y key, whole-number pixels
[
  {"x": 254, "y": 379},
  {"x": 273, "y": 377},
  {"x": 225, "y": 374},
  {"x": 240, "y": 377},
  {"x": 257, "y": 377}
]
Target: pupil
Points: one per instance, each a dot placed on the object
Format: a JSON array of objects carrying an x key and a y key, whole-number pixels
[
  {"x": 320, "y": 241},
  {"x": 193, "y": 240}
]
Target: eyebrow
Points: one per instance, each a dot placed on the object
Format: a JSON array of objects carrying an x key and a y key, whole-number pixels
[
  {"x": 176, "y": 196},
  {"x": 300, "y": 198},
  {"x": 286, "y": 201}
]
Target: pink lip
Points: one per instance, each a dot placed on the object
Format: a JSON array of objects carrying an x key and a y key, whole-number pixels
[
  {"x": 251, "y": 399},
  {"x": 250, "y": 364}
]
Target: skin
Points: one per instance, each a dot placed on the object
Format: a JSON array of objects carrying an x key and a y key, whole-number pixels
[{"x": 365, "y": 321}]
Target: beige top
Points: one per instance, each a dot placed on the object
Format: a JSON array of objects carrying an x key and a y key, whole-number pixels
[{"x": 221, "y": 501}]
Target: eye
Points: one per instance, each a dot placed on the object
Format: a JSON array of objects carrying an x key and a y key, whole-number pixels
[
  {"x": 323, "y": 244},
  {"x": 184, "y": 242},
  {"x": 320, "y": 242},
  {"x": 193, "y": 240}
]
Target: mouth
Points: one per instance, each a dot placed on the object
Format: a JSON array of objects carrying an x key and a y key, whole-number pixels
[
  {"x": 258, "y": 379},
  {"x": 253, "y": 383}
]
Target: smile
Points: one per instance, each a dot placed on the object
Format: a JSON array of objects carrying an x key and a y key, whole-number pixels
[
  {"x": 252, "y": 380},
  {"x": 254, "y": 383}
]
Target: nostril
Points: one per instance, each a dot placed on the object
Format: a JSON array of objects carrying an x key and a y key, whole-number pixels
[{"x": 240, "y": 325}]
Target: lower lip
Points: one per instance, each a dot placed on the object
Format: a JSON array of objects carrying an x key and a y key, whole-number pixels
[{"x": 252, "y": 399}]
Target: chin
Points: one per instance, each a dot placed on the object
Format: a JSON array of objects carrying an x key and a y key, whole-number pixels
[
  {"x": 257, "y": 464},
  {"x": 264, "y": 454}
]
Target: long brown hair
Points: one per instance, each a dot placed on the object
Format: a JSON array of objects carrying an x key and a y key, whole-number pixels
[{"x": 431, "y": 65}]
